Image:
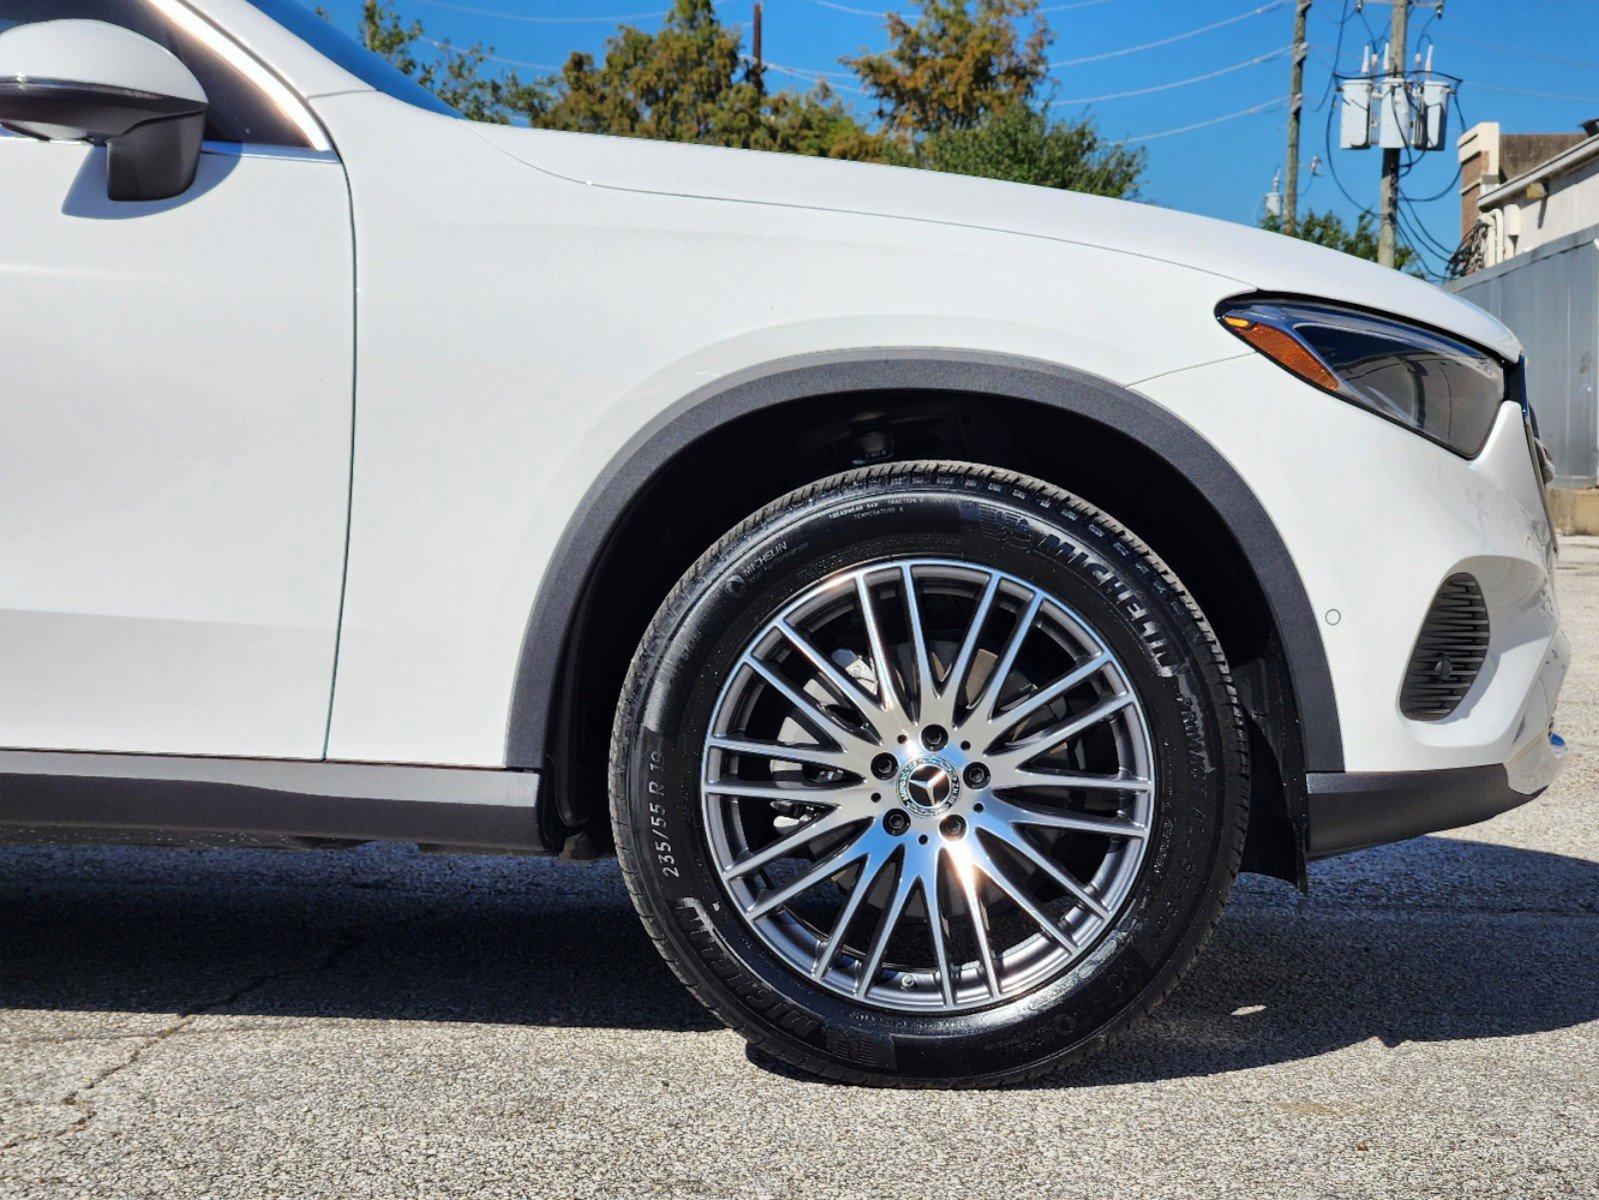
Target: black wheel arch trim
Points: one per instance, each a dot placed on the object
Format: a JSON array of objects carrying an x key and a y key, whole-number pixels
[{"x": 536, "y": 689}]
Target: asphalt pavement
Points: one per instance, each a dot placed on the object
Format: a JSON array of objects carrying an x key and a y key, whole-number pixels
[{"x": 385, "y": 1023}]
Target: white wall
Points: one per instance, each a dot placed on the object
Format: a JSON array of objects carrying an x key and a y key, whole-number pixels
[{"x": 1522, "y": 224}]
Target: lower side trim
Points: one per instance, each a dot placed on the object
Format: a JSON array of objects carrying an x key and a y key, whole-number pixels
[
  {"x": 124, "y": 794},
  {"x": 1354, "y": 810}
]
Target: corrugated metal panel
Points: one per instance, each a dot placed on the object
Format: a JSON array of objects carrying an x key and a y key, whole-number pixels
[{"x": 1550, "y": 297}]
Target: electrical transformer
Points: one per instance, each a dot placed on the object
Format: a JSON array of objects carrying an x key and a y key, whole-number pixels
[
  {"x": 1395, "y": 122},
  {"x": 1354, "y": 125},
  {"x": 1394, "y": 112},
  {"x": 1432, "y": 115}
]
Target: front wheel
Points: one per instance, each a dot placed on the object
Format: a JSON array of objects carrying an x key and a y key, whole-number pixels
[{"x": 929, "y": 774}]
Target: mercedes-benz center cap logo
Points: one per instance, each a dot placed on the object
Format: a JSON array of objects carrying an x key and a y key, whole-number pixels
[{"x": 928, "y": 785}]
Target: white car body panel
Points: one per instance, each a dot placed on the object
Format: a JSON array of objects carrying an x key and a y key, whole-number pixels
[
  {"x": 174, "y": 466},
  {"x": 1222, "y": 248}
]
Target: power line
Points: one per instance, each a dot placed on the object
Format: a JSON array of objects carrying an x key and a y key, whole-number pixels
[
  {"x": 845, "y": 8},
  {"x": 1093, "y": 58},
  {"x": 496, "y": 58},
  {"x": 1372, "y": 35},
  {"x": 1439, "y": 194},
  {"x": 1166, "y": 87},
  {"x": 796, "y": 72},
  {"x": 1494, "y": 87},
  {"x": 1460, "y": 115},
  {"x": 1426, "y": 25},
  {"x": 1420, "y": 226},
  {"x": 531, "y": 19},
  {"x": 1070, "y": 7},
  {"x": 823, "y": 75},
  {"x": 880, "y": 13},
  {"x": 1421, "y": 243},
  {"x": 1418, "y": 259},
  {"x": 1338, "y": 53},
  {"x": 812, "y": 77},
  {"x": 1332, "y": 165},
  {"x": 1243, "y": 112},
  {"x": 1554, "y": 58}
]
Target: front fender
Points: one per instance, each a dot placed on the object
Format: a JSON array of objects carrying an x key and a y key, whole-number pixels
[{"x": 630, "y": 472}]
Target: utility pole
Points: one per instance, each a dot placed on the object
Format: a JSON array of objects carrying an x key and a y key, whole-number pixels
[
  {"x": 1388, "y": 198},
  {"x": 756, "y": 41},
  {"x": 1296, "y": 99},
  {"x": 1386, "y": 106}
]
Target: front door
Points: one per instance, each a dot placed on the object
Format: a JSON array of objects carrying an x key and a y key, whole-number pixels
[{"x": 176, "y": 389}]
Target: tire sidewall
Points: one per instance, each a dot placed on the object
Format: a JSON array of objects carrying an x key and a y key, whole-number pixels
[{"x": 1029, "y": 530}]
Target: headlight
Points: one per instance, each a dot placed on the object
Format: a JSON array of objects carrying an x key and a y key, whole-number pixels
[{"x": 1444, "y": 389}]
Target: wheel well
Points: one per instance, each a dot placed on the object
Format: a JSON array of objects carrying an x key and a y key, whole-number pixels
[{"x": 730, "y": 472}]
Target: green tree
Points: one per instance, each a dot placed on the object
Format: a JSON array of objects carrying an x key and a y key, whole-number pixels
[
  {"x": 1328, "y": 229},
  {"x": 816, "y": 123},
  {"x": 960, "y": 90},
  {"x": 689, "y": 83},
  {"x": 956, "y": 67},
  {"x": 957, "y": 91},
  {"x": 1023, "y": 145},
  {"x": 455, "y": 76}
]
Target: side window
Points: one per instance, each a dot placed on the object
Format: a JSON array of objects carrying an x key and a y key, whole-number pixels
[{"x": 239, "y": 111}]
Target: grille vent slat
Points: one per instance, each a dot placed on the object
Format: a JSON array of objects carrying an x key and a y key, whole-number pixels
[{"x": 1449, "y": 653}]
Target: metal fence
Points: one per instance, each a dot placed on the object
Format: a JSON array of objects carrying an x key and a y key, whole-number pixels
[{"x": 1550, "y": 297}]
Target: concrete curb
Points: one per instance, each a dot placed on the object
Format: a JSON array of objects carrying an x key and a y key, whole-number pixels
[{"x": 1575, "y": 511}]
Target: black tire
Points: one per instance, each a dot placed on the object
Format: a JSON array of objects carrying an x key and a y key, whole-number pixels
[{"x": 1007, "y": 522}]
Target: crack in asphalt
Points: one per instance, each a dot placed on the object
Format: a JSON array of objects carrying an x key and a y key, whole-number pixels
[
  {"x": 67, "y": 1039},
  {"x": 342, "y": 942}
]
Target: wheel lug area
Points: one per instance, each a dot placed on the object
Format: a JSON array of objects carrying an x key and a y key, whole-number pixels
[
  {"x": 935, "y": 737},
  {"x": 952, "y": 826},
  {"x": 896, "y": 821},
  {"x": 976, "y": 775},
  {"x": 884, "y": 766}
]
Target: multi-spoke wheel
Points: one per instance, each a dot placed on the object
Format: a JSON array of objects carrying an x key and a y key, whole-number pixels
[
  {"x": 928, "y": 784},
  {"x": 932, "y": 774}
]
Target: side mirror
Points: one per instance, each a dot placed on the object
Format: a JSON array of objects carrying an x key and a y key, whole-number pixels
[{"x": 87, "y": 80}]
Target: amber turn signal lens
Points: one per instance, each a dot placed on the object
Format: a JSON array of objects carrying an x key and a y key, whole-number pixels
[{"x": 1285, "y": 350}]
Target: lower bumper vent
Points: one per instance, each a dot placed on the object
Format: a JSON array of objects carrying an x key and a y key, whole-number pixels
[{"x": 1449, "y": 652}]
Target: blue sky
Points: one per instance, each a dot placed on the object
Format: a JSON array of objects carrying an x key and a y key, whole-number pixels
[{"x": 1505, "y": 50}]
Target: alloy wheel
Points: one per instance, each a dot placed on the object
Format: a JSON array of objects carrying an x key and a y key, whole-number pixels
[{"x": 928, "y": 785}]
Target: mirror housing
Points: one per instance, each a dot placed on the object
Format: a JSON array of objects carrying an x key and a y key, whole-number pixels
[{"x": 91, "y": 81}]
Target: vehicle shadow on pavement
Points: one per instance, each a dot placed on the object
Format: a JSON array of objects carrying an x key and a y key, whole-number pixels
[
  {"x": 379, "y": 933},
  {"x": 1435, "y": 940}
]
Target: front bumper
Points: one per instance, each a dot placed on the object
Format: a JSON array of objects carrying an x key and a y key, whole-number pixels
[
  {"x": 1375, "y": 519},
  {"x": 1353, "y": 810}
]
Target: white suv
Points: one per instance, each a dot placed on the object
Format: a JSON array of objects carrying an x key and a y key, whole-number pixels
[{"x": 952, "y": 584}]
